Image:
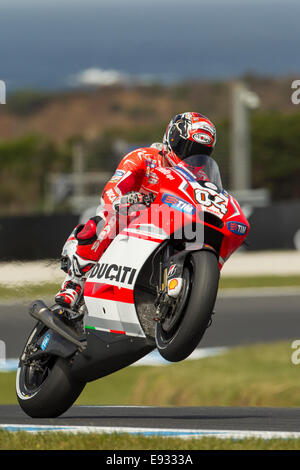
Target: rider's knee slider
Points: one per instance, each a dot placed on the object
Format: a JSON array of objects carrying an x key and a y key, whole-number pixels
[{"x": 87, "y": 234}]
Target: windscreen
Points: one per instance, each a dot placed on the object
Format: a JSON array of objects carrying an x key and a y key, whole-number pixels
[{"x": 204, "y": 168}]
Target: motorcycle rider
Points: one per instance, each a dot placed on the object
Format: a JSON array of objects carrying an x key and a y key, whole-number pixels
[{"x": 132, "y": 183}]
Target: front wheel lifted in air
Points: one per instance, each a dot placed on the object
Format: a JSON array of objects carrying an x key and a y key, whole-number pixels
[{"x": 180, "y": 332}]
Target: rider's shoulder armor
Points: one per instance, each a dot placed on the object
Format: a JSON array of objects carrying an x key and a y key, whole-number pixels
[{"x": 140, "y": 156}]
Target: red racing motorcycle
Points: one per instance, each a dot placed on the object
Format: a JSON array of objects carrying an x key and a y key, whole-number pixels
[{"x": 154, "y": 287}]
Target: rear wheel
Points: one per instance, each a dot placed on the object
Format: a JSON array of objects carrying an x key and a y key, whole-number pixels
[
  {"x": 180, "y": 332},
  {"x": 44, "y": 384}
]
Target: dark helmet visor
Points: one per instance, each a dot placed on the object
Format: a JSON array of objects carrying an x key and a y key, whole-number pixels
[{"x": 184, "y": 148}]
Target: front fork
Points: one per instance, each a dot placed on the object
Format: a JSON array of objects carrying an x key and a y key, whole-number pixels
[
  {"x": 170, "y": 282},
  {"x": 171, "y": 278}
]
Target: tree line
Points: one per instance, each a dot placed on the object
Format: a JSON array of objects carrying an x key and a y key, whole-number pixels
[{"x": 25, "y": 163}]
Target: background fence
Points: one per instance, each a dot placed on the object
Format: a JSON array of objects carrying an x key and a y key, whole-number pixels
[{"x": 41, "y": 237}]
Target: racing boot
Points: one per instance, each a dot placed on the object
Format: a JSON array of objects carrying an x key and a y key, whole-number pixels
[
  {"x": 80, "y": 253},
  {"x": 73, "y": 286},
  {"x": 70, "y": 293}
]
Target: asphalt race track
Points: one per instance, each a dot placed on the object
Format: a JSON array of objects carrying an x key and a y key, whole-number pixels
[
  {"x": 162, "y": 420},
  {"x": 238, "y": 320}
]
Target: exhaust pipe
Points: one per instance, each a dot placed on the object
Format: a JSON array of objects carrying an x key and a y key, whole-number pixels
[{"x": 39, "y": 310}]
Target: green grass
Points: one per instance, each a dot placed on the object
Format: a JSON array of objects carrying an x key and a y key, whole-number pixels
[
  {"x": 258, "y": 375},
  {"x": 115, "y": 442},
  {"x": 30, "y": 291},
  {"x": 259, "y": 281}
]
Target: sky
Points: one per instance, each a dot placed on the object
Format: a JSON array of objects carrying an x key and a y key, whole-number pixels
[{"x": 52, "y": 44}]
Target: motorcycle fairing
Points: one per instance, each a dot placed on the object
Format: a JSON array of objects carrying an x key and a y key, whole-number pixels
[{"x": 109, "y": 288}]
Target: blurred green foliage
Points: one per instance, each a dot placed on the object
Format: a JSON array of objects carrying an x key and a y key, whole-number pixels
[
  {"x": 26, "y": 163},
  {"x": 276, "y": 154}
]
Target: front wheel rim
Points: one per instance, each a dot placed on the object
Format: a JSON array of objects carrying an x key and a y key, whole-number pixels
[
  {"x": 170, "y": 325},
  {"x": 29, "y": 381},
  {"x": 29, "y": 378}
]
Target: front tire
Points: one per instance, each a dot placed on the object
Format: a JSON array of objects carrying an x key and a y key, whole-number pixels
[
  {"x": 178, "y": 343},
  {"x": 45, "y": 388}
]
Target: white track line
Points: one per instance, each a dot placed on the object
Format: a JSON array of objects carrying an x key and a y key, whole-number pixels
[{"x": 164, "y": 432}]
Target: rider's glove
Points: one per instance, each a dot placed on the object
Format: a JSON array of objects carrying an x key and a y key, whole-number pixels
[
  {"x": 123, "y": 204},
  {"x": 148, "y": 199}
]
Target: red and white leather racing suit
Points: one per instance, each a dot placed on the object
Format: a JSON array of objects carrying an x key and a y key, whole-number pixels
[{"x": 134, "y": 173}]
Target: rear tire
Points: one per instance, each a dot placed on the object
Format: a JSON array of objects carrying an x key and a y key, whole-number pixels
[
  {"x": 50, "y": 393},
  {"x": 177, "y": 344}
]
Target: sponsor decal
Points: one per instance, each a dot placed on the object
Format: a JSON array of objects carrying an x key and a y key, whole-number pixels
[
  {"x": 202, "y": 138},
  {"x": 118, "y": 175},
  {"x": 174, "y": 287},
  {"x": 113, "y": 272},
  {"x": 172, "y": 270},
  {"x": 111, "y": 195},
  {"x": 178, "y": 204},
  {"x": 152, "y": 178},
  {"x": 184, "y": 172},
  {"x": 166, "y": 172},
  {"x": 237, "y": 228},
  {"x": 45, "y": 341},
  {"x": 173, "y": 284},
  {"x": 151, "y": 163}
]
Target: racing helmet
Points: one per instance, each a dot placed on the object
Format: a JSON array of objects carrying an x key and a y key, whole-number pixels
[{"x": 189, "y": 134}]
